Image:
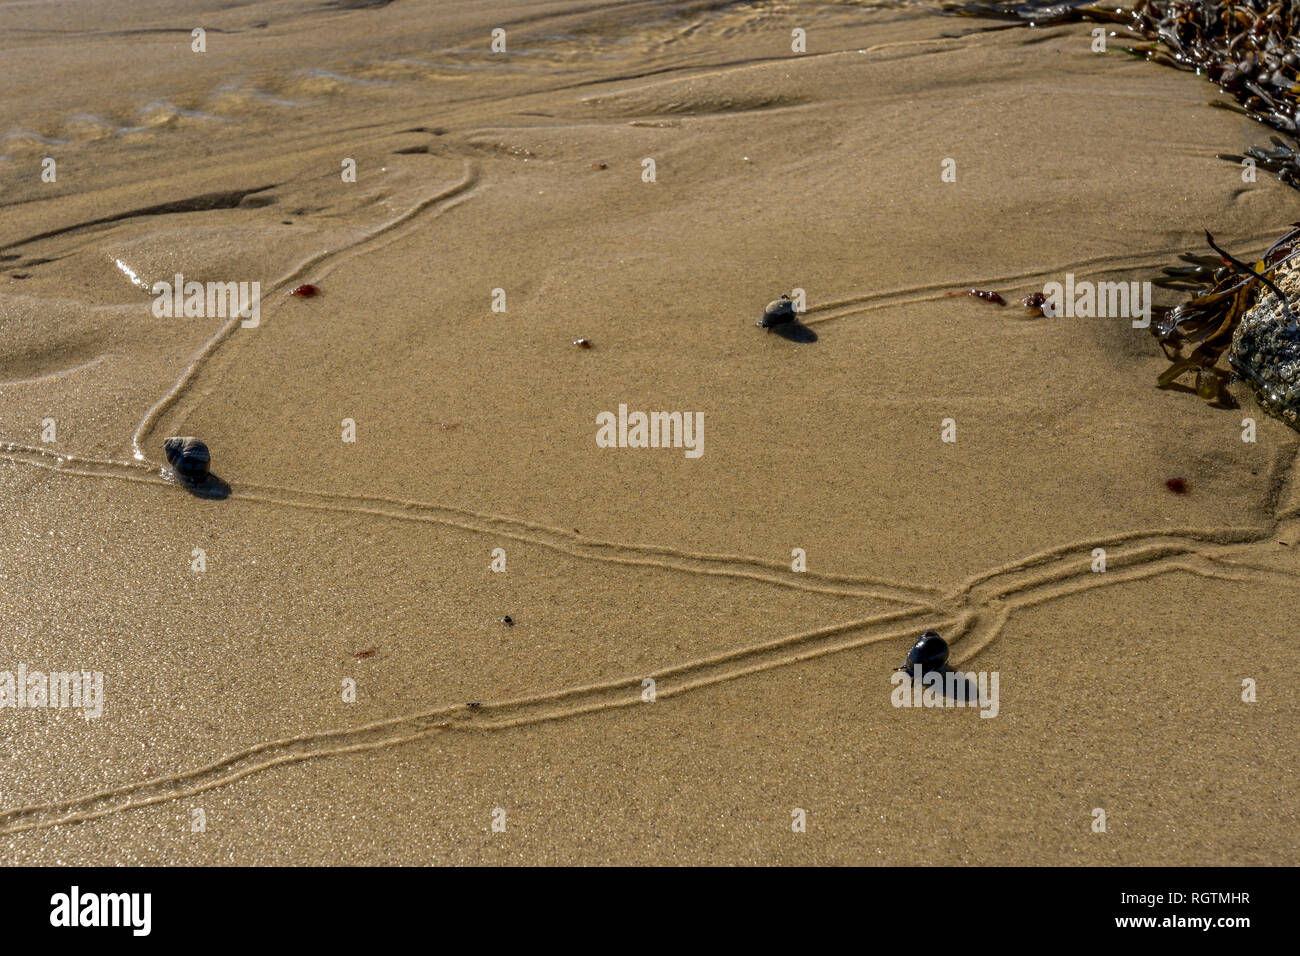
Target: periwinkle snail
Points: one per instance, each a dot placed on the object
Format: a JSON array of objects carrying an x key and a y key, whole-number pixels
[
  {"x": 778, "y": 312},
  {"x": 930, "y": 653},
  {"x": 189, "y": 457}
]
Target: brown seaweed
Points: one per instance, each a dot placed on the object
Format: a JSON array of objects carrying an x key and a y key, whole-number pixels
[
  {"x": 1195, "y": 334},
  {"x": 1251, "y": 50}
]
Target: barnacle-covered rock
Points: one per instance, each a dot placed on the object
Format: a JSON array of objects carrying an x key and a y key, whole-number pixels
[{"x": 1265, "y": 350}]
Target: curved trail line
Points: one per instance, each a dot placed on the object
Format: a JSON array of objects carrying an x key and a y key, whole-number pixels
[
  {"x": 569, "y": 702},
  {"x": 935, "y": 291},
  {"x": 610, "y": 552},
  {"x": 449, "y": 197},
  {"x": 529, "y": 532}
]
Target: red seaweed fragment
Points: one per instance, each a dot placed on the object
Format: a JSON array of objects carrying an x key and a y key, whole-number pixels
[
  {"x": 981, "y": 294},
  {"x": 305, "y": 291}
]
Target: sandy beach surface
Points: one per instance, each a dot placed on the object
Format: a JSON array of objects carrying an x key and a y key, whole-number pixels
[{"x": 671, "y": 689}]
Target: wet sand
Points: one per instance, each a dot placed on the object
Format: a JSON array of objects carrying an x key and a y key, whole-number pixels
[{"x": 475, "y": 430}]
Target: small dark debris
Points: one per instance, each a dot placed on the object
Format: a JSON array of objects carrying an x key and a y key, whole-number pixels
[
  {"x": 508, "y": 620},
  {"x": 582, "y": 343},
  {"x": 982, "y": 295},
  {"x": 1177, "y": 485},
  {"x": 368, "y": 652},
  {"x": 305, "y": 291}
]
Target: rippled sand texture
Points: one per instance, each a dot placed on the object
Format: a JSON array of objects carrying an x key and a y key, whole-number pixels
[{"x": 522, "y": 171}]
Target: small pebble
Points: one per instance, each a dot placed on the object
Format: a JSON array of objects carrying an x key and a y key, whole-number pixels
[
  {"x": 305, "y": 291},
  {"x": 582, "y": 343},
  {"x": 507, "y": 620}
]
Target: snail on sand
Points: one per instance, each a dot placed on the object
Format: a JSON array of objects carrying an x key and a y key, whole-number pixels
[
  {"x": 189, "y": 457},
  {"x": 778, "y": 312},
  {"x": 930, "y": 652}
]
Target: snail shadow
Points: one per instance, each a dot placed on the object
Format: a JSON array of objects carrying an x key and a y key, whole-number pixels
[
  {"x": 958, "y": 687},
  {"x": 209, "y": 486},
  {"x": 954, "y": 684},
  {"x": 795, "y": 332}
]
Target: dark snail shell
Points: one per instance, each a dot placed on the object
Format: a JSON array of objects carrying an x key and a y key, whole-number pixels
[
  {"x": 778, "y": 312},
  {"x": 189, "y": 456},
  {"x": 930, "y": 652}
]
